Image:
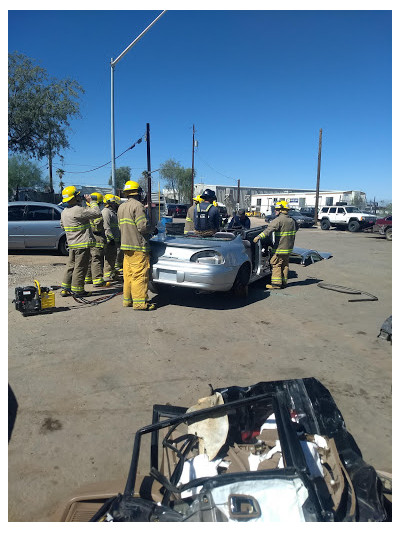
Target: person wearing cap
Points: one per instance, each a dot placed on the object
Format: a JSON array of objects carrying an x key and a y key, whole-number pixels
[
  {"x": 206, "y": 215},
  {"x": 284, "y": 228},
  {"x": 75, "y": 220},
  {"x": 135, "y": 234},
  {"x": 240, "y": 220},
  {"x": 189, "y": 223}
]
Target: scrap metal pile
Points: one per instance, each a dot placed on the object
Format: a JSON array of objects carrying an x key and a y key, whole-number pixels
[{"x": 272, "y": 452}]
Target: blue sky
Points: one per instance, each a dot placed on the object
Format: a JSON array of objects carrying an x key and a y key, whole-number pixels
[{"x": 258, "y": 85}]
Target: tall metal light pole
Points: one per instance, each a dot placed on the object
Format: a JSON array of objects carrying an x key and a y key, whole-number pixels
[{"x": 113, "y": 62}]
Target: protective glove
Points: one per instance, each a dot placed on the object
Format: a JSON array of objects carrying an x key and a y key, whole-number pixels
[
  {"x": 155, "y": 231},
  {"x": 257, "y": 238}
]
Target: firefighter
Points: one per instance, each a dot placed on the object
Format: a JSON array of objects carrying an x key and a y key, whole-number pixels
[
  {"x": 94, "y": 272},
  {"x": 189, "y": 224},
  {"x": 135, "y": 233},
  {"x": 241, "y": 220},
  {"x": 75, "y": 220},
  {"x": 120, "y": 254},
  {"x": 113, "y": 236},
  {"x": 206, "y": 215},
  {"x": 284, "y": 228}
]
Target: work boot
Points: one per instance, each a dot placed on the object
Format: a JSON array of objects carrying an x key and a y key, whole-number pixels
[
  {"x": 150, "y": 307},
  {"x": 81, "y": 294},
  {"x": 65, "y": 292},
  {"x": 272, "y": 287}
]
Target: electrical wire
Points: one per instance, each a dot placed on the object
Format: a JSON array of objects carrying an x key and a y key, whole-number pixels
[
  {"x": 108, "y": 162},
  {"x": 204, "y": 161}
]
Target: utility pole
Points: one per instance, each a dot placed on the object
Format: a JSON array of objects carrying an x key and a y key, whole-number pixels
[
  {"x": 149, "y": 201},
  {"x": 238, "y": 194},
  {"x": 318, "y": 176},
  {"x": 191, "y": 198}
]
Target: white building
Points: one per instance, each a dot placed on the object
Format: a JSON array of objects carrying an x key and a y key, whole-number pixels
[
  {"x": 261, "y": 198},
  {"x": 303, "y": 198}
]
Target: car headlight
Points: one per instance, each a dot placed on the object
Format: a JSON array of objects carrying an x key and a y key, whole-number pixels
[{"x": 209, "y": 257}]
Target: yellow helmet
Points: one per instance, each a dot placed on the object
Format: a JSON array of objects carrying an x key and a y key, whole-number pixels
[
  {"x": 132, "y": 186},
  {"x": 97, "y": 197},
  {"x": 198, "y": 199},
  {"x": 109, "y": 198},
  {"x": 117, "y": 199},
  {"x": 215, "y": 203},
  {"x": 69, "y": 193},
  {"x": 282, "y": 205}
]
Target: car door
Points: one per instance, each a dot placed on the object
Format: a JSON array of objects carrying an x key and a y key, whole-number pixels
[
  {"x": 341, "y": 215},
  {"x": 333, "y": 215},
  {"x": 16, "y": 227},
  {"x": 42, "y": 229}
]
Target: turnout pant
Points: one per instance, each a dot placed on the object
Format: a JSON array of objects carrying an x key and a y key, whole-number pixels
[
  {"x": 119, "y": 259},
  {"x": 77, "y": 265},
  {"x": 110, "y": 254},
  {"x": 136, "y": 279},
  {"x": 95, "y": 268},
  {"x": 280, "y": 269}
]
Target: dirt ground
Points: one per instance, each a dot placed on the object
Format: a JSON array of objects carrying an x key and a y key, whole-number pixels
[{"x": 86, "y": 378}]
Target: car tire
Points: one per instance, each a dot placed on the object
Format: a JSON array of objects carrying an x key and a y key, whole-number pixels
[
  {"x": 155, "y": 288},
  {"x": 63, "y": 246},
  {"x": 388, "y": 234},
  {"x": 325, "y": 224},
  {"x": 353, "y": 226},
  {"x": 240, "y": 287}
]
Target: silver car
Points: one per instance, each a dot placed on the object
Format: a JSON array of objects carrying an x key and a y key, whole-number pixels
[
  {"x": 35, "y": 226},
  {"x": 228, "y": 260},
  {"x": 219, "y": 263}
]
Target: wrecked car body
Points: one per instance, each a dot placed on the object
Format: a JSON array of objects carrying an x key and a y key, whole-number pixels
[
  {"x": 276, "y": 451},
  {"x": 225, "y": 261}
]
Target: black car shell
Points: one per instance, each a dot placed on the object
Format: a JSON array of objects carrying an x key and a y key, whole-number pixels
[{"x": 302, "y": 221}]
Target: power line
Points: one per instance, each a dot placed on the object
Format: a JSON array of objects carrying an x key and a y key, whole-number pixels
[
  {"x": 225, "y": 176},
  {"x": 105, "y": 164}
]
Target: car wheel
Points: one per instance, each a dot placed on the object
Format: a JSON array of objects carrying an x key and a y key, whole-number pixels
[
  {"x": 353, "y": 226},
  {"x": 240, "y": 286},
  {"x": 155, "y": 288},
  {"x": 63, "y": 246},
  {"x": 325, "y": 224},
  {"x": 388, "y": 234}
]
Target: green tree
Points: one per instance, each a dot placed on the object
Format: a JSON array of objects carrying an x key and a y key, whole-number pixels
[
  {"x": 178, "y": 179},
  {"x": 358, "y": 200},
  {"x": 122, "y": 174},
  {"x": 23, "y": 173},
  {"x": 39, "y": 110}
]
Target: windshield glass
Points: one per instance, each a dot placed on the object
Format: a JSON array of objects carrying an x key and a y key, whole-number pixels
[
  {"x": 294, "y": 212},
  {"x": 352, "y": 209}
]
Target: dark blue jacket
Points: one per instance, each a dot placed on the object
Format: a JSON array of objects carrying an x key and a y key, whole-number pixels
[{"x": 237, "y": 221}]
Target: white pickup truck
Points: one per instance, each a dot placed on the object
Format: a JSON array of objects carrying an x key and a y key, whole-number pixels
[{"x": 345, "y": 217}]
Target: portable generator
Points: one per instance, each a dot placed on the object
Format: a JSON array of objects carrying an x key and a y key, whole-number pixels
[{"x": 31, "y": 300}]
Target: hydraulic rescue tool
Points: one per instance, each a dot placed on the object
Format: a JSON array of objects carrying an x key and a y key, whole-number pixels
[{"x": 31, "y": 300}]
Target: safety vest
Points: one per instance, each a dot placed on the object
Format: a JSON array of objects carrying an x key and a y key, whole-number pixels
[{"x": 202, "y": 219}]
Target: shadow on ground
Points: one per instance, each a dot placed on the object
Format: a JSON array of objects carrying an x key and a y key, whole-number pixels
[{"x": 216, "y": 300}]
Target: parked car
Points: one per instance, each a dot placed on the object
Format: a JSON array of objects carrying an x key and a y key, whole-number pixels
[
  {"x": 345, "y": 217},
  {"x": 303, "y": 221},
  {"x": 273, "y": 452},
  {"x": 176, "y": 210},
  {"x": 35, "y": 226},
  {"x": 229, "y": 260},
  {"x": 307, "y": 211},
  {"x": 384, "y": 227}
]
